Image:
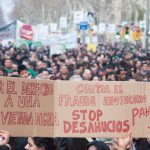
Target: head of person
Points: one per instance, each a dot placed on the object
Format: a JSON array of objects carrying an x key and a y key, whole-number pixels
[
  {"x": 109, "y": 68},
  {"x": 40, "y": 64},
  {"x": 110, "y": 76},
  {"x": 122, "y": 74},
  {"x": 97, "y": 145},
  {"x": 23, "y": 71},
  {"x": 145, "y": 67},
  {"x": 39, "y": 143},
  {"x": 44, "y": 74},
  {"x": 8, "y": 63},
  {"x": 95, "y": 78},
  {"x": 87, "y": 75},
  {"x": 64, "y": 69},
  {"x": 94, "y": 68}
]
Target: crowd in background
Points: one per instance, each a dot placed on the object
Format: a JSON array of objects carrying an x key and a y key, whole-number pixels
[{"x": 110, "y": 62}]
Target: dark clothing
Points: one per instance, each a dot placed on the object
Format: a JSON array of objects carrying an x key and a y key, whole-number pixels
[
  {"x": 142, "y": 144},
  {"x": 4, "y": 147},
  {"x": 72, "y": 143},
  {"x": 99, "y": 145}
]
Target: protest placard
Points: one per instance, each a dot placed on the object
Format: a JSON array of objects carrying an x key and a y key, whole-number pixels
[
  {"x": 27, "y": 107},
  {"x": 74, "y": 109},
  {"x": 102, "y": 109}
]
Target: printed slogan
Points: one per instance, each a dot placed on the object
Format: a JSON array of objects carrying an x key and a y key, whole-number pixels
[{"x": 30, "y": 107}]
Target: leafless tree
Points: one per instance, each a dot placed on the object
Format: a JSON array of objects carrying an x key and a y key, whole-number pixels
[{"x": 46, "y": 11}]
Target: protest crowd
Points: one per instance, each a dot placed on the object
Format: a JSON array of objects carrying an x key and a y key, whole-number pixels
[{"x": 110, "y": 62}]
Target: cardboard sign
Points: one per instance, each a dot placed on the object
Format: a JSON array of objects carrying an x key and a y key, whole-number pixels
[
  {"x": 102, "y": 109},
  {"x": 74, "y": 109},
  {"x": 27, "y": 107}
]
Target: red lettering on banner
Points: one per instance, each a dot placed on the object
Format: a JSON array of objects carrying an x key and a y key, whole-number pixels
[
  {"x": 92, "y": 115},
  {"x": 122, "y": 100},
  {"x": 90, "y": 128},
  {"x": 118, "y": 89},
  {"x": 111, "y": 126},
  {"x": 75, "y": 127},
  {"x": 83, "y": 112},
  {"x": 28, "y": 101},
  {"x": 9, "y": 102},
  {"x": 96, "y": 127},
  {"x": 83, "y": 127},
  {"x": 38, "y": 89},
  {"x": 126, "y": 126},
  {"x": 11, "y": 87},
  {"x": 67, "y": 100},
  {"x": 1, "y": 87},
  {"x": 46, "y": 119},
  {"x": 139, "y": 113},
  {"x": 119, "y": 126},
  {"x": 75, "y": 115},
  {"x": 67, "y": 126},
  {"x": 17, "y": 118},
  {"x": 104, "y": 126},
  {"x": 85, "y": 88},
  {"x": 90, "y": 121}
]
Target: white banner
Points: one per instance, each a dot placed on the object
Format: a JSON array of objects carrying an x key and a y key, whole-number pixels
[
  {"x": 102, "y": 28},
  {"x": 42, "y": 33},
  {"x": 53, "y": 27},
  {"x": 78, "y": 17},
  {"x": 63, "y": 22},
  {"x": 111, "y": 28},
  {"x": 62, "y": 42},
  {"x": 142, "y": 24},
  {"x": 24, "y": 31}
]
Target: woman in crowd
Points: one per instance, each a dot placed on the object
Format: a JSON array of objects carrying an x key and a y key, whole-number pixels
[{"x": 34, "y": 143}]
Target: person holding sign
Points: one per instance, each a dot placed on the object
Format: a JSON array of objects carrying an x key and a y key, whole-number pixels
[
  {"x": 121, "y": 144},
  {"x": 97, "y": 145},
  {"x": 39, "y": 143},
  {"x": 34, "y": 143},
  {"x": 4, "y": 138}
]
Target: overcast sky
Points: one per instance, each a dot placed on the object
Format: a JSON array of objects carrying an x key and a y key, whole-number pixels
[{"x": 7, "y": 7}]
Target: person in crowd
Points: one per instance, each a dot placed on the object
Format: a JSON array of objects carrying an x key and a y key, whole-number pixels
[
  {"x": 34, "y": 143},
  {"x": 28, "y": 65},
  {"x": 108, "y": 63},
  {"x": 3, "y": 72},
  {"x": 23, "y": 71},
  {"x": 97, "y": 145},
  {"x": 44, "y": 74},
  {"x": 120, "y": 144},
  {"x": 87, "y": 75},
  {"x": 8, "y": 64},
  {"x": 4, "y": 139},
  {"x": 64, "y": 72},
  {"x": 39, "y": 143}
]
